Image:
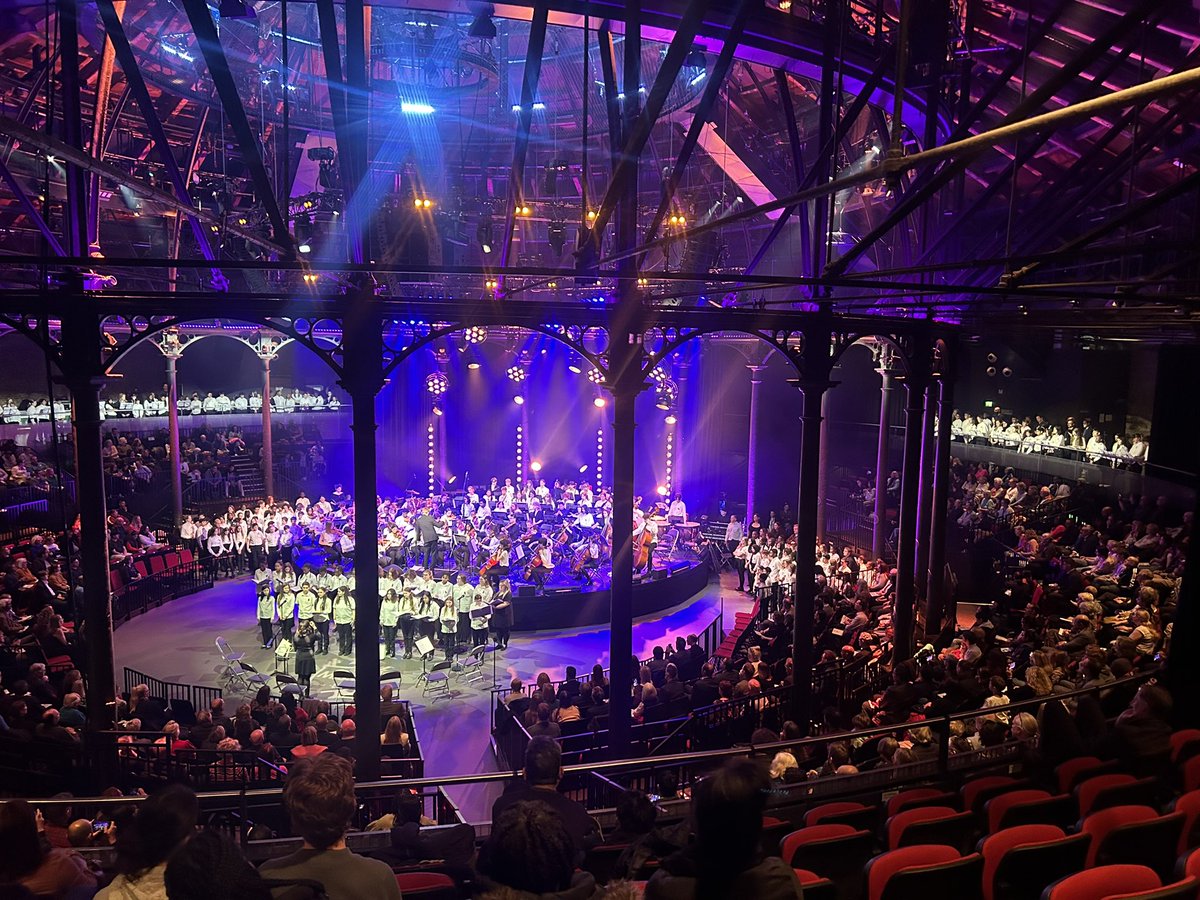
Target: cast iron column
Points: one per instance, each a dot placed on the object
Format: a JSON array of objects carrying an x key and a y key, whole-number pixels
[
  {"x": 625, "y": 379},
  {"x": 812, "y": 391},
  {"x": 268, "y": 455},
  {"x": 925, "y": 495},
  {"x": 173, "y": 438},
  {"x": 935, "y": 594},
  {"x": 887, "y": 386},
  {"x": 906, "y": 551},
  {"x": 752, "y": 446},
  {"x": 82, "y": 369},
  {"x": 363, "y": 354},
  {"x": 823, "y": 468}
]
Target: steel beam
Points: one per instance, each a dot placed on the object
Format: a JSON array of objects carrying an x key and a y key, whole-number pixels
[
  {"x": 712, "y": 90},
  {"x": 76, "y": 183},
  {"x": 531, "y": 76},
  {"x": 31, "y": 210},
  {"x": 31, "y": 138},
  {"x": 158, "y": 136},
  {"x": 612, "y": 106},
  {"x": 235, "y": 113},
  {"x": 358, "y": 96},
  {"x": 844, "y": 124},
  {"x": 924, "y": 188},
  {"x": 639, "y": 129},
  {"x": 99, "y": 121}
]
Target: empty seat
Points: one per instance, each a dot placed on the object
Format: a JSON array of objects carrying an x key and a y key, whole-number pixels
[
  {"x": 157, "y": 564},
  {"x": 1073, "y": 771},
  {"x": 843, "y": 813},
  {"x": 1191, "y": 774},
  {"x": 1018, "y": 863},
  {"x": 773, "y": 832},
  {"x": 1029, "y": 807},
  {"x": 429, "y": 885},
  {"x": 929, "y": 825},
  {"x": 1189, "y": 805},
  {"x": 1099, "y": 792},
  {"x": 1180, "y": 890},
  {"x": 172, "y": 559},
  {"x": 832, "y": 851},
  {"x": 924, "y": 871},
  {"x": 978, "y": 791},
  {"x": 926, "y": 796},
  {"x": 1136, "y": 835},
  {"x": 1104, "y": 882},
  {"x": 816, "y": 887},
  {"x": 1184, "y": 744}
]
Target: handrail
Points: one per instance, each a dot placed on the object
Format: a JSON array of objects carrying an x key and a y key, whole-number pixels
[{"x": 939, "y": 724}]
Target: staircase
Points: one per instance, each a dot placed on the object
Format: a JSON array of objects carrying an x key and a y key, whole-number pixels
[{"x": 250, "y": 475}]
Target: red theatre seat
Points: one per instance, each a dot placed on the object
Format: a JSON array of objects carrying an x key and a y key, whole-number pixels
[
  {"x": 429, "y": 885},
  {"x": 924, "y": 871},
  {"x": 1104, "y": 882},
  {"x": 1019, "y": 862},
  {"x": 843, "y": 813},
  {"x": 1073, "y": 771},
  {"x": 926, "y": 796},
  {"x": 1135, "y": 835},
  {"x": 928, "y": 825}
]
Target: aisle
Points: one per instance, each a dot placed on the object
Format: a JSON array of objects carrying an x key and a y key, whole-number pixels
[{"x": 177, "y": 643}]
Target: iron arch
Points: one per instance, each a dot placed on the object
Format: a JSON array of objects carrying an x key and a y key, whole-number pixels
[{"x": 303, "y": 331}]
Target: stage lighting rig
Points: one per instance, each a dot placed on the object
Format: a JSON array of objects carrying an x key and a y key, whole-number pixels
[
  {"x": 595, "y": 376},
  {"x": 476, "y": 334},
  {"x": 482, "y": 26},
  {"x": 437, "y": 384},
  {"x": 516, "y": 373},
  {"x": 557, "y": 235}
]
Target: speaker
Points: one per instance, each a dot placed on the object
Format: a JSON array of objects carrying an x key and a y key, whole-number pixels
[
  {"x": 557, "y": 591},
  {"x": 526, "y": 591}
]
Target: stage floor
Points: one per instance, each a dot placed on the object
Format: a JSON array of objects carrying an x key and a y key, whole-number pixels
[{"x": 176, "y": 643}]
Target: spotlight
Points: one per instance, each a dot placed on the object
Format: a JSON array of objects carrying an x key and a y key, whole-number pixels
[
  {"x": 591, "y": 216},
  {"x": 595, "y": 376},
  {"x": 671, "y": 420},
  {"x": 482, "y": 26},
  {"x": 519, "y": 400},
  {"x": 662, "y": 490},
  {"x": 535, "y": 466},
  {"x": 416, "y": 109},
  {"x": 575, "y": 366},
  {"x": 473, "y": 364},
  {"x": 599, "y": 402},
  {"x": 305, "y": 247},
  {"x": 437, "y": 410},
  {"x": 659, "y": 374},
  {"x": 437, "y": 383},
  {"x": 582, "y": 469},
  {"x": 476, "y": 334},
  {"x": 516, "y": 373},
  {"x": 695, "y": 58}
]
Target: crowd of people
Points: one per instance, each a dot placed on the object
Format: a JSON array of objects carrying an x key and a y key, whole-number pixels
[
  {"x": 537, "y": 847},
  {"x": 132, "y": 405},
  {"x": 1074, "y": 438},
  {"x": 22, "y": 467}
]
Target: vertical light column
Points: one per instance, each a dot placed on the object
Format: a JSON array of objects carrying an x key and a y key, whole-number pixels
[
  {"x": 599, "y": 457},
  {"x": 669, "y": 481},
  {"x": 520, "y": 448},
  {"x": 429, "y": 432},
  {"x": 752, "y": 444}
]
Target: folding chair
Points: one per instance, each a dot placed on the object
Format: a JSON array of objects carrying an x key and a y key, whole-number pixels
[
  {"x": 344, "y": 682},
  {"x": 436, "y": 682}
]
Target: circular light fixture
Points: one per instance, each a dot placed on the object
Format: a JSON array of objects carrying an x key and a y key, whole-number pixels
[
  {"x": 662, "y": 490},
  {"x": 305, "y": 247},
  {"x": 519, "y": 400},
  {"x": 582, "y": 469},
  {"x": 599, "y": 403},
  {"x": 595, "y": 376},
  {"x": 437, "y": 410},
  {"x": 437, "y": 383},
  {"x": 516, "y": 373},
  {"x": 476, "y": 334},
  {"x": 671, "y": 420},
  {"x": 535, "y": 466}
]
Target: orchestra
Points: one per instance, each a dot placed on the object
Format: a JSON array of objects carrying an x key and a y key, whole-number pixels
[{"x": 426, "y": 548}]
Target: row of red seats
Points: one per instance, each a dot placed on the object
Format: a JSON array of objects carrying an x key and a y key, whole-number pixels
[
  {"x": 741, "y": 621},
  {"x": 158, "y": 563}
]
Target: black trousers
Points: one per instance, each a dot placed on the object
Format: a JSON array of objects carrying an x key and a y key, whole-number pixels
[
  {"x": 345, "y": 633},
  {"x": 285, "y": 627},
  {"x": 389, "y": 640},
  {"x": 407, "y": 627},
  {"x": 502, "y": 635},
  {"x": 321, "y": 641},
  {"x": 267, "y": 631},
  {"x": 740, "y": 565},
  {"x": 464, "y": 627}
]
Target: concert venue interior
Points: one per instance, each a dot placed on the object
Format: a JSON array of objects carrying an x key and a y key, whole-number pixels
[{"x": 742, "y": 448}]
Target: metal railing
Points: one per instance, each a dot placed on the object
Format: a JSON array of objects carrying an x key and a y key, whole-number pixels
[
  {"x": 157, "y": 588},
  {"x": 198, "y": 696}
]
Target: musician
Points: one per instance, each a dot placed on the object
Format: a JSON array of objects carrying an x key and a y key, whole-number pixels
[
  {"x": 508, "y": 494},
  {"x": 502, "y": 614},
  {"x": 677, "y": 511},
  {"x": 448, "y": 618},
  {"x": 502, "y": 557},
  {"x": 343, "y": 620},
  {"x": 408, "y": 609},
  {"x": 541, "y": 565},
  {"x": 266, "y": 613},
  {"x": 287, "y": 612},
  {"x": 389, "y": 619},
  {"x": 462, "y": 596},
  {"x": 425, "y": 527},
  {"x": 479, "y": 623},
  {"x": 650, "y": 539},
  {"x": 584, "y": 518},
  {"x": 543, "y": 494}
]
